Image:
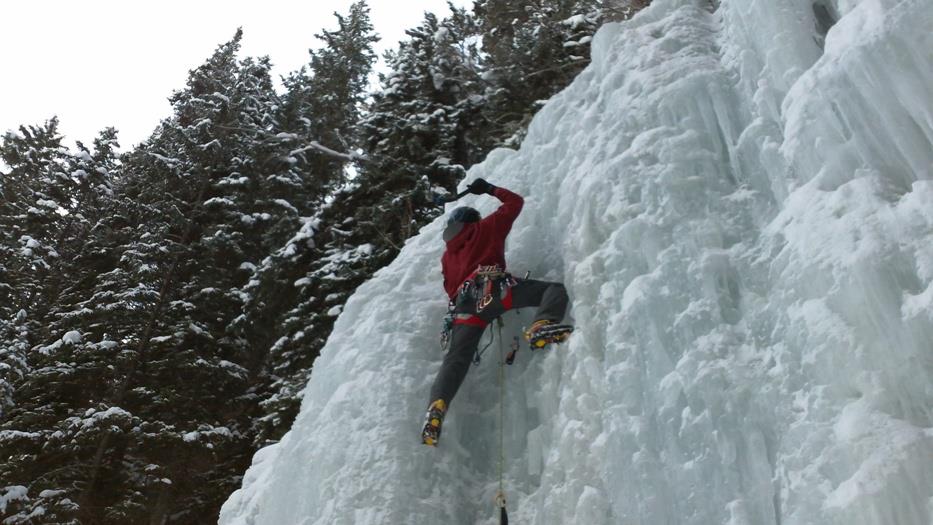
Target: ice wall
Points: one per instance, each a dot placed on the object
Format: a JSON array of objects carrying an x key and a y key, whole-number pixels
[{"x": 739, "y": 197}]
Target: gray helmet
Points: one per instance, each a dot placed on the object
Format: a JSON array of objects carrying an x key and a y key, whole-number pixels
[
  {"x": 457, "y": 219},
  {"x": 463, "y": 214}
]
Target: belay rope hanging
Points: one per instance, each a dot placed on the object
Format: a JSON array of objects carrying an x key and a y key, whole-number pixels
[{"x": 500, "y": 495}]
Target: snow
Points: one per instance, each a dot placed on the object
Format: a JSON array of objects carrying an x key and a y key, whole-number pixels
[
  {"x": 741, "y": 213},
  {"x": 167, "y": 160},
  {"x": 233, "y": 181},
  {"x": 305, "y": 235},
  {"x": 219, "y": 202},
  {"x": 93, "y": 417},
  {"x": 29, "y": 242},
  {"x": 70, "y": 338},
  {"x": 6, "y": 435},
  {"x": 234, "y": 368},
  {"x": 335, "y": 311},
  {"x": 10, "y": 494},
  {"x": 287, "y": 205},
  {"x": 205, "y": 432},
  {"x": 575, "y": 21}
]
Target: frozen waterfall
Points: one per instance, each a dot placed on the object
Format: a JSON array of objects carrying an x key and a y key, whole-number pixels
[{"x": 739, "y": 197}]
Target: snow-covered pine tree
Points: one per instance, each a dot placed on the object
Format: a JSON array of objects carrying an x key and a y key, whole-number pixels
[
  {"x": 151, "y": 417},
  {"x": 420, "y": 131},
  {"x": 340, "y": 72},
  {"x": 43, "y": 215},
  {"x": 616, "y": 10},
  {"x": 39, "y": 430},
  {"x": 186, "y": 383},
  {"x": 14, "y": 343},
  {"x": 417, "y": 132},
  {"x": 321, "y": 108},
  {"x": 534, "y": 48},
  {"x": 80, "y": 258},
  {"x": 28, "y": 229},
  {"x": 33, "y": 194}
]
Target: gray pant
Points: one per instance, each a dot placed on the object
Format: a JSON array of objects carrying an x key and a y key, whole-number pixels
[{"x": 551, "y": 300}]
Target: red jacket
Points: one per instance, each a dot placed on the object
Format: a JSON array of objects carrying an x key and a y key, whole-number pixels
[{"x": 480, "y": 243}]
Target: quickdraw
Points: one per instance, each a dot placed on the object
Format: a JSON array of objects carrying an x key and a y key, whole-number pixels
[
  {"x": 513, "y": 349},
  {"x": 489, "y": 275},
  {"x": 478, "y": 354},
  {"x": 448, "y": 328}
]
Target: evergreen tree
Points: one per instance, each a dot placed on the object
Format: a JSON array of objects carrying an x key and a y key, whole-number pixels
[
  {"x": 417, "y": 133},
  {"x": 321, "y": 108},
  {"x": 39, "y": 428},
  {"x": 160, "y": 311},
  {"x": 185, "y": 381},
  {"x": 46, "y": 197},
  {"x": 27, "y": 230},
  {"x": 14, "y": 344},
  {"x": 33, "y": 194},
  {"x": 323, "y": 100},
  {"x": 421, "y": 130},
  {"x": 143, "y": 400},
  {"x": 534, "y": 48},
  {"x": 339, "y": 76}
]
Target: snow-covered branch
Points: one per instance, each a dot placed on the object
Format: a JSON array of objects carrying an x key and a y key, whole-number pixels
[{"x": 320, "y": 148}]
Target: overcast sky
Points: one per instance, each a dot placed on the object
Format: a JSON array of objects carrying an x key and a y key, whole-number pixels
[{"x": 98, "y": 63}]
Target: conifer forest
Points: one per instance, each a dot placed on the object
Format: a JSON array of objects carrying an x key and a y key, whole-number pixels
[{"x": 161, "y": 307}]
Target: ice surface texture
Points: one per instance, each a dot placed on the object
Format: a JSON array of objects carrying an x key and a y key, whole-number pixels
[{"x": 739, "y": 197}]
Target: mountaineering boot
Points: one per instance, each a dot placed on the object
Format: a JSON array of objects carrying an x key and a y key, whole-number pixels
[
  {"x": 545, "y": 332},
  {"x": 431, "y": 432}
]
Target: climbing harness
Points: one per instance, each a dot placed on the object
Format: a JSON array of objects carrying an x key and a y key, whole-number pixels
[{"x": 477, "y": 293}]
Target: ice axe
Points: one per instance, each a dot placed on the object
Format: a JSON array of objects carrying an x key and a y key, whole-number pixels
[{"x": 440, "y": 200}]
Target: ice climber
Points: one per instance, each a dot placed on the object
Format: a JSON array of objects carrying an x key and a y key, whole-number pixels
[{"x": 480, "y": 290}]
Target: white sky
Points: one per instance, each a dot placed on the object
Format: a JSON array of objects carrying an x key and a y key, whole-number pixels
[{"x": 98, "y": 63}]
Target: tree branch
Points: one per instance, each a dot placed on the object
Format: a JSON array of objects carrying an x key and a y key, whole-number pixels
[
  {"x": 320, "y": 148},
  {"x": 558, "y": 67}
]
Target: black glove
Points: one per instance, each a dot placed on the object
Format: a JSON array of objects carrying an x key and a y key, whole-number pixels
[{"x": 480, "y": 186}]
